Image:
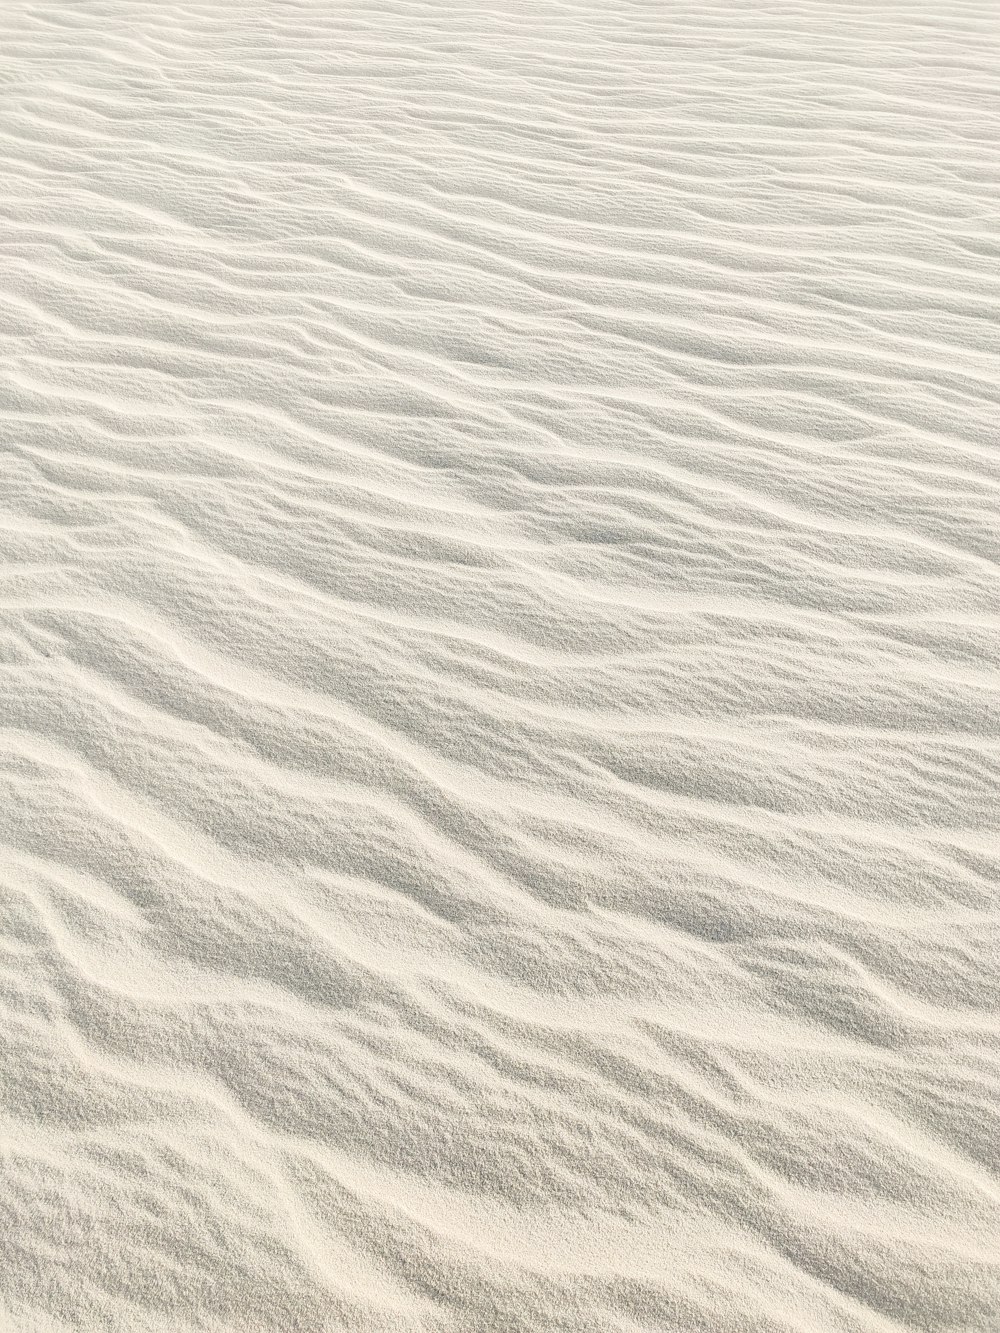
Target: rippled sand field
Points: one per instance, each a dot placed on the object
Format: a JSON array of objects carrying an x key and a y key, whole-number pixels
[{"x": 499, "y": 666}]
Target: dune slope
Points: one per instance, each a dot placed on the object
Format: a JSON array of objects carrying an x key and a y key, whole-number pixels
[{"x": 499, "y": 666}]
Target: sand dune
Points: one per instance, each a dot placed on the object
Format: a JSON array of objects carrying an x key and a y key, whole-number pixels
[{"x": 499, "y": 666}]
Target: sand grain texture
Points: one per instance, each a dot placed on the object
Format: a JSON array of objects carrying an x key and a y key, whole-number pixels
[{"x": 499, "y": 667}]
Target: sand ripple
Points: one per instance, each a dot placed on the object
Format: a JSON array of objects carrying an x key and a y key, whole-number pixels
[{"x": 499, "y": 688}]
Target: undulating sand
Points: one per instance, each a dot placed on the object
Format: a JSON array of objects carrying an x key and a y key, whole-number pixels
[{"x": 499, "y": 666}]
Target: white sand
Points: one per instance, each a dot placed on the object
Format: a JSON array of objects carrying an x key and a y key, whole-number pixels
[{"x": 500, "y": 519}]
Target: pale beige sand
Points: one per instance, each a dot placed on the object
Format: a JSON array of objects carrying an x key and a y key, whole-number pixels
[{"x": 499, "y": 666}]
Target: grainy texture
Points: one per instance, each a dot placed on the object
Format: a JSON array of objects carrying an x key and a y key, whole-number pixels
[{"x": 499, "y": 684}]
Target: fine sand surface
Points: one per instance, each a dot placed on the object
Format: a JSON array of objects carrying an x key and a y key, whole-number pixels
[{"x": 499, "y": 666}]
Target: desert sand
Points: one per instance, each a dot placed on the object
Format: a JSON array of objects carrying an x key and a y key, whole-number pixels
[{"x": 500, "y": 673}]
